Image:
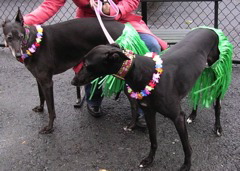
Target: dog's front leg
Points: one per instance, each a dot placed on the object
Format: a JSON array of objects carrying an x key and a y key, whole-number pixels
[
  {"x": 42, "y": 100},
  {"x": 47, "y": 90},
  {"x": 134, "y": 109},
  {"x": 150, "y": 116},
  {"x": 80, "y": 96}
]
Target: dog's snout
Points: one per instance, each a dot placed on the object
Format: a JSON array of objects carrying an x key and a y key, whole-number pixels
[
  {"x": 16, "y": 49},
  {"x": 75, "y": 81},
  {"x": 5, "y": 43}
]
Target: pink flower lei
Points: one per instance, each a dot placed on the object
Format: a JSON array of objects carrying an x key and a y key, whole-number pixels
[{"x": 155, "y": 79}]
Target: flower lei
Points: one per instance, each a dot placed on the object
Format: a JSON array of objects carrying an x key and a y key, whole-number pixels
[
  {"x": 36, "y": 44},
  {"x": 155, "y": 79}
]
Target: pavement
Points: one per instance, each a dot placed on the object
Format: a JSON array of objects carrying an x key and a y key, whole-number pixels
[{"x": 83, "y": 143}]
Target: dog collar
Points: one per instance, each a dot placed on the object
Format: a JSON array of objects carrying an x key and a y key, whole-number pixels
[
  {"x": 155, "y": 79},
  {"x": 36, "y": 44},
  {"x": 126, "y": 65},
  {"x": 26, "y": 37}
]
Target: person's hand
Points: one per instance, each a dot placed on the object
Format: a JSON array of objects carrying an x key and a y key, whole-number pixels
[{"x": 106, "y": 7}]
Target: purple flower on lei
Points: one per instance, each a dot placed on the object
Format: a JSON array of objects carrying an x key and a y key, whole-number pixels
[{"x": 134, "y": 95}]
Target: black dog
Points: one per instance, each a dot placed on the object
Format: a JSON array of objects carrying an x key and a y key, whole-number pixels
[
  {"x": 63, "y": 46},
  {"x": 182, "y": 65}
]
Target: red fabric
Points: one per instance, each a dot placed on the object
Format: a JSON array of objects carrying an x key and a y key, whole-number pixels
[
  {"x": 78, "y": 67},
  {"x": 50, "y": 7}
]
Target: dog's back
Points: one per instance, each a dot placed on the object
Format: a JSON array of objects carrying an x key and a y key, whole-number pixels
[
  {"x": 68, "y": 41},
  {"x": 186, "y": 60}
]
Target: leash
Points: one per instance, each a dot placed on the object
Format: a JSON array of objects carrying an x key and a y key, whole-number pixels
[{"x": 97, "y": 5}]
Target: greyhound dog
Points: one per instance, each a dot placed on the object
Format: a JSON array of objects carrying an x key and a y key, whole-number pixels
[
  {"x": 182, "y": 65},
  {"x": 62, "y": 47}
]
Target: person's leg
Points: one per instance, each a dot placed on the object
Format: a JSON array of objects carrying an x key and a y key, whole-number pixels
[
  {"x": 151, "y": 42},
  {"x": 94, "y": 104},
  {"x": 153, "y": 46}
]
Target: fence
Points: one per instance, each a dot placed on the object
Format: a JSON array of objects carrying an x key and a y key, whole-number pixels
[{"x": 160, "y": 15}]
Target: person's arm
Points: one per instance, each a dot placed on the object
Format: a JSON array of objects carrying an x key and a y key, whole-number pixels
[
  {"x": 125, "y": 7},
  {"x": 44, "y": 12}
]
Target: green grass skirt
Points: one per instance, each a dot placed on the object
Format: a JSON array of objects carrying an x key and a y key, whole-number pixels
[{"x": 215, "y": 80}]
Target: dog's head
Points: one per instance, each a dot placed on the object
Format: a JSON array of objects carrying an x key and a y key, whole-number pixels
[
  {"x": 14, "y": 33},
  {"x": 100, "y": 61}
]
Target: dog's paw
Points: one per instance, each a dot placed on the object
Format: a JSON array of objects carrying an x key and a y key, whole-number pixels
[
  {"x": 38, "y": 109},
  {"x": 146, "y": 162},
  {"x": 185, "y": 167},
  {"x": 46, "y": 130},
  {"x": 130, "y": 126},
  {"x": 218, "y": 130},
  {"x": 79, "y": 103},
  {"x": 126, "y": 128},
  {"x": 189, "y": 120}
]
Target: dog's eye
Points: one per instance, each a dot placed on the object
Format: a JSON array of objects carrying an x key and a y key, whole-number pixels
[
  {"x": 9, "y": 38},
  {"x": 85, "y": 64},
  {"x": 21, "y": 37}
]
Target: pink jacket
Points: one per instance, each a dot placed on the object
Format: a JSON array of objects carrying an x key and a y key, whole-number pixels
[{"x": 50, "y": 7}]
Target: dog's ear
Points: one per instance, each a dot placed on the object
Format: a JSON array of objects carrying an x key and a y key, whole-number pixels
[
  {"x": 117, "y": 55},
  {"x": 115, "y": 45},
  {"x": 5, "y": 22},
  {"x": 19, "y": 17}
]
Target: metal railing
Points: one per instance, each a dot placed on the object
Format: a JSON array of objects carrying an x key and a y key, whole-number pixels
[
  {"x": 187, "y": 15},
  {"x": 160, "y": 15}
]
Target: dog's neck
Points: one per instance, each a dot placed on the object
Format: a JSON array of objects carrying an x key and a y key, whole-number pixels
[
  {"x": 140, "y": 73},
  {"x": 30, "y": 36},
  {"x": 31, "y": 42},
  {"x": 126, "y": 65}
]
